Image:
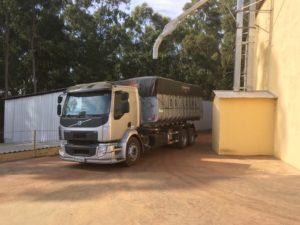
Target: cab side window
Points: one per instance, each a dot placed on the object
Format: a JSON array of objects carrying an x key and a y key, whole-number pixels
[{"x": 121, "y": 104}]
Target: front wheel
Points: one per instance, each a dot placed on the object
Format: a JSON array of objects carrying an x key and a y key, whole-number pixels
[{"x": 133, "y": 151}]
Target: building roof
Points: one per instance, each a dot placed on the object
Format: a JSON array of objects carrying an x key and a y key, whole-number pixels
[
  {"x": 244, "y": 94},
  {"x": 36, "y": 94}
]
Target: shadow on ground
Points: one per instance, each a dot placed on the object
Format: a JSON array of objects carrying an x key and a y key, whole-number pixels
[{"x": 161, "y": 169}]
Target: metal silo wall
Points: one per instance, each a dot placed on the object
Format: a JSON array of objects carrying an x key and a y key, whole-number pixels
[
  {"x": 25, "y": 115},
  {"x": 170, "y": 108},
  {"x": 1, "y": 120}
]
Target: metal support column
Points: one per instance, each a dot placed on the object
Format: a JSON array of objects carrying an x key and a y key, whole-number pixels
[
  {"x": 251, "y": 45},
  {"x": 238, "y": 44}
]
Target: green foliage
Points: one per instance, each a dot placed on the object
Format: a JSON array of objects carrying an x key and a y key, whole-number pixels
[{"x": 93, "y": 40}]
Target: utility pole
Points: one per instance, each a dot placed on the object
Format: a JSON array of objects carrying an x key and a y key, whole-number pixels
[
  {"x": 251, "y": 45},
  {"x": 238, "y": 44}
]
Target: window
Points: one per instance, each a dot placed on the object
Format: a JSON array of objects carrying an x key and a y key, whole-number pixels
[
  {"x": 121, "y": 104},
  {"x": 87, "y": 104}
]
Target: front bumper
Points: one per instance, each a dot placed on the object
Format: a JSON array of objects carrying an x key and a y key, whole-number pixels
[{"x": 104, "y": 154}]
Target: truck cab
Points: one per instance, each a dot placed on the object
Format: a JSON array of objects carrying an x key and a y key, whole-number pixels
[{"x": 96, "y": 122}]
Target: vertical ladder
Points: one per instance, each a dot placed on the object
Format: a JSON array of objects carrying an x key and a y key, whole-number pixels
[{"x": 245, "y": 44}]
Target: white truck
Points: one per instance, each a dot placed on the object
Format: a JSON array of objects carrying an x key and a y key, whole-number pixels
[{"x": 114, "y": 122}]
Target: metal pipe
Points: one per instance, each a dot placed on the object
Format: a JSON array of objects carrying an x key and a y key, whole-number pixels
[
  {"x": 252, "y": 3},
  {"x": 34, "y": 143},
  {"x": 171, "y": 26}
]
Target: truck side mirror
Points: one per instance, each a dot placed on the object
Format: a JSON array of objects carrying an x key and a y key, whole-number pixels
[
  {"x": 59, "y": 99},
  {"x": 59, "y": 109}
]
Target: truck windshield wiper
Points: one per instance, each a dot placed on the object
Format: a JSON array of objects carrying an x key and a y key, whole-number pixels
[
  {"x": 95, "y": 115},
  {"x": 82, "y": 114},
  {"x": 69, "y": 115}
]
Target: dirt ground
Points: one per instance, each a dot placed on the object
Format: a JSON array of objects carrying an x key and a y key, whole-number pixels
[{"x": 168, "y": 186}]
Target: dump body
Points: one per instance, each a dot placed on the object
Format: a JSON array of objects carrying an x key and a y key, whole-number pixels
[{"x": 164, "y": 100}]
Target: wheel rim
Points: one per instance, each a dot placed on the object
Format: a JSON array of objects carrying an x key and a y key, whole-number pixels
[
  {"x": 133, "y": 152},
  {"x": 184, "y": 139},
  {"x": 192, "y": 138}
]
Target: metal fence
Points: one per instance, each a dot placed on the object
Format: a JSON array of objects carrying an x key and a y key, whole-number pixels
[
  {"x": 26, "y": 136},
  {"x": 30, "y": 140}
]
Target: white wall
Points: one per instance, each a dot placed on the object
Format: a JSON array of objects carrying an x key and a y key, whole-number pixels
[
  {"x": 206, "y": 122},
  {"x": 24, "y": 115}
]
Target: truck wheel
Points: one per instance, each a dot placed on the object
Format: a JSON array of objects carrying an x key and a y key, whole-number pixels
[
  {"x": 191, "y": 136},
  {"x": 133, "y": 151},
  {"x": 182, "y": 139}
]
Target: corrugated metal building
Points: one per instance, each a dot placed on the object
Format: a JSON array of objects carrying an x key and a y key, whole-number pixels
[
  {"x": 25, "y": 114},
  {"x": 205, "y": 123},
  {"x": 1, "y": 120}
]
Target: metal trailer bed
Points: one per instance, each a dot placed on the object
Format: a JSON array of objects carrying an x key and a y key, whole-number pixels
[{"x": 166, "y": 101}]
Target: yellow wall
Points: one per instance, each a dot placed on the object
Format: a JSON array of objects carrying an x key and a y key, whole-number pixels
[
  {"x": 243, "y": 126},
  {"x": 277, "y": 69}
]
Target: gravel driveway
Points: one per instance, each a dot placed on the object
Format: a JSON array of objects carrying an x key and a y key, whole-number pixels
[{"x": 168, "y": 186}]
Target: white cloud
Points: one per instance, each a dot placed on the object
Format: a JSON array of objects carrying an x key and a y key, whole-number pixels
[{"x": 169, "y": 8}]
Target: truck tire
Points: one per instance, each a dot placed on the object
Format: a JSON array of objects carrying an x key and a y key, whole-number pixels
[
  {"x": 182, "y": 138},
  {"x": 191, "y": 135},
  {"x": 133, "y": 151}
]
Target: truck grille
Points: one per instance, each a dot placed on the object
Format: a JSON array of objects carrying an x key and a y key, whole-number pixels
[
  {"x": 77, "y": 150},
  {"x": 81, "y": 136}
]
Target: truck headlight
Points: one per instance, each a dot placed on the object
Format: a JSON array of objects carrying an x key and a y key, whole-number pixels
[
  {"x": 101, "y": 150},
  {"x": 60, "y": 133},
  {"x": 62, "y": 148}
]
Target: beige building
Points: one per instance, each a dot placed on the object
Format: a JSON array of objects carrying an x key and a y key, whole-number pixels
[{"x": 276, "y": 71}]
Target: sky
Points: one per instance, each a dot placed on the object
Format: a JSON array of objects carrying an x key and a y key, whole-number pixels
[{"x": 169, "y": 8}]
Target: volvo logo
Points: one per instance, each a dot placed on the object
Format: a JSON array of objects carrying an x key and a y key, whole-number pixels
[{"x": 79, "y": 123}]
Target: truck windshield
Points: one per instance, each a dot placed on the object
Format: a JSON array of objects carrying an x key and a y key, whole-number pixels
[{"x": 87, "y": 104}]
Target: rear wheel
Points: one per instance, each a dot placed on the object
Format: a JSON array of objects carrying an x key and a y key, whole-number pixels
[
  {"x": 191, "y": 135},
  {"x": 133, "y": 151},
  {"x": 183, "y": 138}
]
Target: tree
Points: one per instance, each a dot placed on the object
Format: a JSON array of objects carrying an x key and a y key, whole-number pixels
[
  {"x": 228, "y": 43},
  {"x": 142, "y": 28},
  {"x": 5, "y": 28},
  {"x": 204, "y": 46},
  {"x": 196, "y": 56},
  {"x": 54, "y": 44}
]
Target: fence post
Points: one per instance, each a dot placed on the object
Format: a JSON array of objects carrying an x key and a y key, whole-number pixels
[{"x": 34, "y": 143}]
